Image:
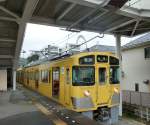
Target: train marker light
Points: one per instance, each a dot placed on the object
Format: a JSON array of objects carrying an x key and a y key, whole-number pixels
[
  {"x": 116, "y": 90},
  {"x": 87, "y": 93}
]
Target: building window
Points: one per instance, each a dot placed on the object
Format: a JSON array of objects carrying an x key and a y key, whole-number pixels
[
  {"x": 147, "y": 52},
  {"x": 136, "y": 87}
]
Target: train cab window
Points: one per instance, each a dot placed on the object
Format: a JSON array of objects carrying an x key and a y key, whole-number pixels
[
  {"x": 114, "y": 75},
  {"x": 102, "y": 58},
  {"x": 67, "y": 76},
  {"x": 87, "y": 60},
  {"x": 113, "y": 61},
  {"x": 102, "y": 75},
  {"x": 44, "y": 76},
  {"x": 83, "y": 75}
]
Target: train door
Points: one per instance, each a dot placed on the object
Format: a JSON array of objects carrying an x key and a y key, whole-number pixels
[
  {"x": 55, "y": 82},
  {"x": 67, "y": 87},
  {"x": 103, "y": 85}
]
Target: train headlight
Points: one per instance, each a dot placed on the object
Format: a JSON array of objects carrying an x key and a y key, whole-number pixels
[
  {"x": 87, "y": 93},
  {"x": 116, "y": 90}
]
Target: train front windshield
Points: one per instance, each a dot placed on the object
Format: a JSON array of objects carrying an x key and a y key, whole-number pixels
[
  {"x": 83, "y": 76},
  {"x": 114, "y": 74},
  {"x": 114, "y": 70}
]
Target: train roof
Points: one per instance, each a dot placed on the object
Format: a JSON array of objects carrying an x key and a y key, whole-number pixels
[{"x": 65, "y": 56}]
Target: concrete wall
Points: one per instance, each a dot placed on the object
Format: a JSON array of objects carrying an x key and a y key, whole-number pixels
[
  {"x": 136, "y": 69},
  {"x": 3, "y": 80}
]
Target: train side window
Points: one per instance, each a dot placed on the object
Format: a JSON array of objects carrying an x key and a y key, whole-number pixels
[
  {"x": 67, "y": 76},
  {"x": 36, "y": 75},
  {"x": 55, "y": 81},
  {"x": 102, "y": 75},
  {"x": 44, "y": 76},
  {"x": 49, "y": 76},
  {"x": 27, "y": 75},
  {"x": 31, "y": 75}
]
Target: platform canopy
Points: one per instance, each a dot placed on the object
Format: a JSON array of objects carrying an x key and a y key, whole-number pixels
[{"x": 128, "y": 18}]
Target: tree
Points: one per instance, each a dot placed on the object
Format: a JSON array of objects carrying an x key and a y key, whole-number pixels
[{"x": 32, "y": 58}]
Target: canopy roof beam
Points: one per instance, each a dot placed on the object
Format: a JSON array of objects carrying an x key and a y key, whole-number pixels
[
  {"x": 9, "y": 12},
  {"x": 66, "y": 11},
  {"x": 120, "y": 25},
  {"x": 135, "y": 27},
  {"x": 8, "y": 19},
  {"x": 27, "y": 14},
  {"x": 7, "y": 40},
  {"x": 6, "y": 56},
  {"x": 104, "y": 3}
]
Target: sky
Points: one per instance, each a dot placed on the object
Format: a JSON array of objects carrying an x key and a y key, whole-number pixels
[{"x": 39, "y": 36}]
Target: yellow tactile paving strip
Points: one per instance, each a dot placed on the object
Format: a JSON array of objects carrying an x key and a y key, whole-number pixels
[{"x": 50, "y": 115}]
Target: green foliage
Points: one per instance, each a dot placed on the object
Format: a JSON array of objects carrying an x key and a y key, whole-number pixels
[{"x": 33, "y": 58}]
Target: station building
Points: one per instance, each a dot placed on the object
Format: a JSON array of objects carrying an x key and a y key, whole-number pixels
[{"x": 136, "y": 65}]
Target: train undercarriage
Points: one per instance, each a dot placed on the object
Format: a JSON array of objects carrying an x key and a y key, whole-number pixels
[{"x": 104, "y": 114}]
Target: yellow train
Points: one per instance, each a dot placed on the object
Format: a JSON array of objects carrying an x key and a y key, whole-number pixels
[{"x": 87, "y": 82}]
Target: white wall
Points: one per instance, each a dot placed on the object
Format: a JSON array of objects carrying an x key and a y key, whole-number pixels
[
  {"x": 136, "y": 69},
  {"x": 3, "y": 80}
]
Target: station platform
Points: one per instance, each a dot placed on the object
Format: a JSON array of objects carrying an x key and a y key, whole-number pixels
[
  {"x": 18, "y": 110},
  {"x": 25, "y": 107}
]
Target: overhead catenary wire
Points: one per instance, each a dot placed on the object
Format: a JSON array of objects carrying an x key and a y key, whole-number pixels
[
  {"x": 67, "y": 37},
  {"x": 83, "y": 43}
]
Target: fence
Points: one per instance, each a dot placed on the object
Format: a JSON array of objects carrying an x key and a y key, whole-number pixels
[
  {"x": 136, "y": 98},
  {"x": 137, "y": 103}
]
